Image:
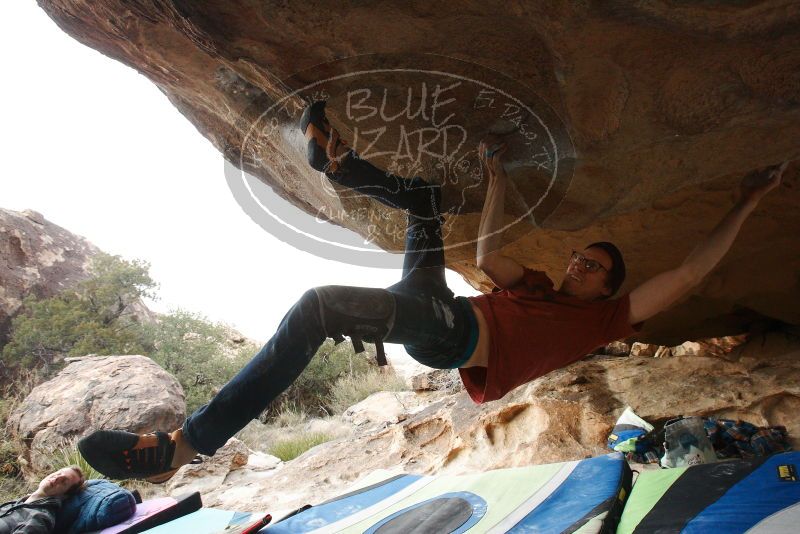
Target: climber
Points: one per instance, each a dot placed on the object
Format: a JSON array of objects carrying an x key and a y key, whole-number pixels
[
  {"x": 497, "y": 341},
  {"x": 36, "y": 513}
]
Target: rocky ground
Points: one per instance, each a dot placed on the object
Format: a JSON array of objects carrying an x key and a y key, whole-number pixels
[
  {"x": 563, "y": 416},
  {"x": 93, "y": 393}
]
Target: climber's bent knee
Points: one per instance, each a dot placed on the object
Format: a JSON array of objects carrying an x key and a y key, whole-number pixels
[{"x": 361, "y": 313}]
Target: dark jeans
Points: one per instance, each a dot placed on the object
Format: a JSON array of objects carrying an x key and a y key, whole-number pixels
[{"x": 436, "y": 328}]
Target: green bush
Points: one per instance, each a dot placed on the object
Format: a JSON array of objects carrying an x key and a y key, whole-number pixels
[
  {"x": 290, "y": 449},
  {"x": 197, "y": 352},
  {"x": 96, "y": 317},
  {"x": 311, "y": 392},
  {"x": 93, "y": 318}
]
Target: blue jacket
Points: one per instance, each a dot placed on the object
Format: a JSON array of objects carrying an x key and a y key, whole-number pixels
[{"x": 100, "y": 504}]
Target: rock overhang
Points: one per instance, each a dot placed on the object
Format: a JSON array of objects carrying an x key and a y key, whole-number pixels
[{"x": 665, "y": 110}]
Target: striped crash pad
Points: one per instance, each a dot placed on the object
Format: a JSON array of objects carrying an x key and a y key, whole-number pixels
[
  {"x": 581, "y": 496},
  {"x": 758, "y": 496}
]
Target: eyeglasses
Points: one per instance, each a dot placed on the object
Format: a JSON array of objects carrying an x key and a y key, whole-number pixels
[{"x": 591, "y": 266}]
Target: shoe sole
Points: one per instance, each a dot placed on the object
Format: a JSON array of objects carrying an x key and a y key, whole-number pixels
[
  {"x": 314, "y": 115},
  {"x": 312, "y": 124},
  {"x": 99, "y": 449}
]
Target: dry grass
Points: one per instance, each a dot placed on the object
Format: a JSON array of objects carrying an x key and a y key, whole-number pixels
[
  {"x": 292, "y": 415},
  {"x": 351, "y": 390},
  {"x": 291, "y": 433},
  {"x": 284, "y": 441},
  {"x": 12, "y": 482},
  {"x": 291, "y": 448},
  {"x": 257, "y": 435},
  {"x": 13, "y": 488}
]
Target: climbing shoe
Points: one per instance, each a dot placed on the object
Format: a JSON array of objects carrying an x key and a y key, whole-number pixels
[
  {"x": 121, "y": 455},
  {"x": 322, "y": 146}
]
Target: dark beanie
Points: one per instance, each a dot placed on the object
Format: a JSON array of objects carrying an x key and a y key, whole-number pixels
[{"x": 617, "y": 273}]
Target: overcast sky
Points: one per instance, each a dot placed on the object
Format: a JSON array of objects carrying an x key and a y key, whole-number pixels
[{"x": 97, "y": 149}]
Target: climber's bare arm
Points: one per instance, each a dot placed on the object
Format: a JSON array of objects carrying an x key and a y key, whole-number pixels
[
  {"x": 663, "y": 290},
  {"x": 502, "y": 270}
]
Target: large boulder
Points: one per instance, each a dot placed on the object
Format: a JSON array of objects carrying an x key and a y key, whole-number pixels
[
  {"x": 385, "y": 407},
  {"x": 565, "y": 415},
  {"x": 42, "y": 259},
  {"x": 98, "y": 392},
  {"x": 628, "y": 122},
  {"x": 38, "y": 258}
]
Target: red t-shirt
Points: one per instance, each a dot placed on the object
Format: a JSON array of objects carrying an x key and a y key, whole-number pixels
[{"x": 534, "y": 330}]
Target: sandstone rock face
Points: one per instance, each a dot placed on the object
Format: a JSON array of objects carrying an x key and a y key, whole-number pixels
[
  {"x": 643, "y": 349},
  {"x": 36, "y": 257},
  {"x": 563, "y": 416},
  {"x": 437, "y": 380},
  {"x": 210, "y": 474},
  {"x": 618, "y": 348},
  {"x": 385, "y": 407},
  {"x": 104, "y": 392},
  {"x": 653, "y": 111},
  {"x": 719, "y": 346}
]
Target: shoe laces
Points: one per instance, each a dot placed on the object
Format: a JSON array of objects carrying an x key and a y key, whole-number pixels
[{"x": 153, "y": 458}]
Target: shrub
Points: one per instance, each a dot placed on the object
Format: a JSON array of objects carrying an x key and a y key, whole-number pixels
[
  {"x": 352, "y": 389},
  {"x": 291, "y": 415},
  {"x": 9, "y": 459},
  {"x": 93, "y": 318},
  {"x": 311, "y": 392},
  {"x": 96, "y": 317},
  {"x": 290, "y": 449},
  {"x": 197, "y": 352}
]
